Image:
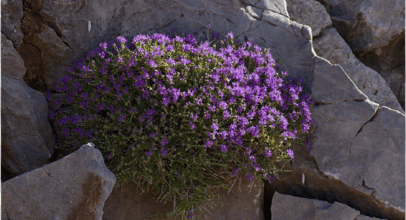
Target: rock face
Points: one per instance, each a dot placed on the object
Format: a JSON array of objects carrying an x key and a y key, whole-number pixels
[
  {"x": 295, "y": 208},
  {"x": 375, "y": 31},
  {"x": 357, "y": 161},
  {"x": 329, "y": 44},
  {"x": 11, "y": 15},
  {"x": 244, "y": 201},
  {"x": 74, "y": 187},
  {"x": 27, "y": 140}
]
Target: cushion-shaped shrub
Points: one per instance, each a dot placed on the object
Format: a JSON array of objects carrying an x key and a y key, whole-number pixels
[{"x": 182, "y": 116}]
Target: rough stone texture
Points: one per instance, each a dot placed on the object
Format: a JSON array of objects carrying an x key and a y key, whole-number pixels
[
  {"x": 356, "y": 141},
  {"x": 380, "y": 144},
  {"x": 296, "y": 208},
  {"x": 331, "y": 45},
  {"x": 54, "y": 55},
  {"x": 11, "y": 15},
  {"x": 375, "y": 31},
  {"x": 309, "y": 12},
  {"x": 245, "y": 201},
  {"x": 27, "y": 140},
  {"x": 74, "y": 187},
  {"x": 345, "y": 118},
  {"x": 71, "y": 22},
  {"x": 325, "y": 86}
]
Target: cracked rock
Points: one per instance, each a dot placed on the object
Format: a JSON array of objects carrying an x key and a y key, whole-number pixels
[
  {"x": 296, "y": 208},
  {"x": 27, "y": 139},
  {"x": 74, "y": 187},
  {"x": 309, "y": 12}
]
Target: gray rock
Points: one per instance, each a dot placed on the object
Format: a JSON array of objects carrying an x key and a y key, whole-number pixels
[
  {"x": 11, "y": 15},
  {"x": 362, "y": 147},
  {"x": 331, "y": 46},
  {"x": 274, "y": 6},
  {"x": 27, "y": 140},
  {"x": 292, "y": 208},
  {"x": 380, "y": 145},
  {"x": 74, "y": 187},
  {"x": 309, "y": 12},
  {"x": 375, "y": 31},
  {"x": 367, "y": 25},
  {"x": 55, "y": 55},
  {"x": 332, "y": 84},
  {"x": 71, "y": 22}
]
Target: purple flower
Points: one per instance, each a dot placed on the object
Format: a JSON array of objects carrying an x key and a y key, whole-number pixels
[
  {"x": 249, "y": 177},
  {"x": 308, "y": 144},
  {"x": 267, "y": 153},
  {"x": 216, "y": 35},
  {"x": 223, "y": 148},
  {"x": 152, "y": 63},
  {"x": 192, "y": 126},
  {"x": 164, "y": 152},
  {"x": 121, "y": 118},
  {"x": 214, "y": 126},
  {"x": 290, "y": 153},
  {"x": 148, "y": 153},
  {"x": 230, "y": 35},
  {"x": 209, "y": 26},
  {"x": 208, "y": 144}
]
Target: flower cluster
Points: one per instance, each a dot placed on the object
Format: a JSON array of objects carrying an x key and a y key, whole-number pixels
[{"x": 177, "y": 114}]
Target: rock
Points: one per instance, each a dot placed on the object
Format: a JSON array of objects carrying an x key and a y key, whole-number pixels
[
  {"x": 27, "y": 139},
  {"x": 55, "y": 55},
  {"x": 331, "y": 45},
  {"x": 290, "y": 207},
  {"x": 325, "y": 86},
  {"x": 74, "y": 187},
  {"x": 11, "y": 15},
  {"x": 375, "y": 31},
  {"x": 245, "y": 201},
  {"x": 309, "y": 12},
  {"x": 348, "y": 120}
]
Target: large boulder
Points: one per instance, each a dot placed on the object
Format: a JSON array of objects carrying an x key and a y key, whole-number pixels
[
  {"x": 74, "y": 187},
  {"x": 348, "y": 122},
  {"x": 11, "y": 15},
  {"x": 296, "y": 208},
  {"x": 27, "y": 139},
  {"x": 328, "y": 44},
  {"x": 375, "y": 31},
  {"x": 359, "y": 149}
]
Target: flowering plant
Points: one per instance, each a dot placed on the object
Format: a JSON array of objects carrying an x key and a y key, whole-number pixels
[{"x": 182, "y": 116}]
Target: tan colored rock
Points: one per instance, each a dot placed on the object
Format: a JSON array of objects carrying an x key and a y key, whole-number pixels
[{"x": 245, "y": 201}]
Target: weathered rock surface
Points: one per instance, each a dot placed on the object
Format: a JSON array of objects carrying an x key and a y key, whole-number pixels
[
  {"x": 360, "y": 147},
  {"x": 331, "y": 45},
  {"x": 245, "y": 201},
  {"x": 375, "y": 31},
  {"x": 27, "y": 140},
  {"x": 11, "y": 15},
  {"x": 328, "y": 44},
  {"x": 296, "y": 208},
  {"x": 54, "y": 55},
  {"x": 74, "y": 187},
  {"x": 310, "y": 13}
]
